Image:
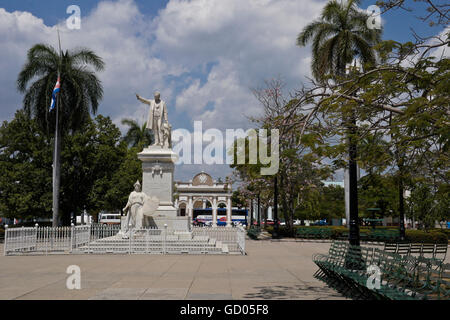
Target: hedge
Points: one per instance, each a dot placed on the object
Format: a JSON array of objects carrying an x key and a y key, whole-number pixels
[
  {"x": 433, "y": 236},
  {"x": 338, "y": 232},
  {"x": 253, "y": 233}
]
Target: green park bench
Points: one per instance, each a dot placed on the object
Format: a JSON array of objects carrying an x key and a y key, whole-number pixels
[{"x": 406, "y": 277}]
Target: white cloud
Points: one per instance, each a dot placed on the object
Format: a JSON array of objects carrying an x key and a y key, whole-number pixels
[
  {"x": 202, "y": 55},
  {"x": 248, "y": 41}
]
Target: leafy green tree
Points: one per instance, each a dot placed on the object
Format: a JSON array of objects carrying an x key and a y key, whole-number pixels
[
  {"x": 299, "y": 170},
  {"x": 122, "y": 181},
  {"x": 339, "y": 36},
  {"x": 332, "y": 203},
  {"x": 25, "y": 163},
  {"x": 98, "y": 170},
  {"x": 91, "y": 158},
  {"x": 377, "y": 191},
  {"x": 80, "y": 94},
  {"x": 137, "y": 136},
  {"x": 238, "y": 199}
]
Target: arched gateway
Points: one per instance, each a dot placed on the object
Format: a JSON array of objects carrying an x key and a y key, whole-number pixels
[{"x": 202, "y": 188}]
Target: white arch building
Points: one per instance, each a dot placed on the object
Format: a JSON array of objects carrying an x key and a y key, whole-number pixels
[{"x": 203, "y": 188}]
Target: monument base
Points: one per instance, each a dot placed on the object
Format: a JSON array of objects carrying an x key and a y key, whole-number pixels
[
  {"x": 157, "y": 179},
  {"x": 161, "y": 222},
  {"x": 171, "y": 223}
]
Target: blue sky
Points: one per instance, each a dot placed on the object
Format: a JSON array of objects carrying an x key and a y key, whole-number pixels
[
  {"x": 397, "y": 23},
  {"x": 204, "y": 56}
]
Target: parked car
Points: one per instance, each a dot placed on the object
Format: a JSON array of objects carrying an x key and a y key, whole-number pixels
[
  {"x": 198, "y": 223},
  {"x": 320, "y": 223}
]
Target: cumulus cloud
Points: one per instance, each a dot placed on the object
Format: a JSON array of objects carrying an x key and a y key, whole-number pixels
[
  {"x": 248, "y": 42},
  {"x": 204, "y": 56}
]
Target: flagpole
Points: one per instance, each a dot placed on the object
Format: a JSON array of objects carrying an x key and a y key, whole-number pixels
[{"x": 56, "y": 156}]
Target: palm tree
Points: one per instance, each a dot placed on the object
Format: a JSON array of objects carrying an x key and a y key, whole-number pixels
[
  {"x": 338, "y": 37},
  {"x": 80, "y": 94},
  {"x": 137, "y": 136}
]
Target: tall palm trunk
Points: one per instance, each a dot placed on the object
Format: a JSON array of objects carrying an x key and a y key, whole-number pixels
[{"x": 353, "y": 183}]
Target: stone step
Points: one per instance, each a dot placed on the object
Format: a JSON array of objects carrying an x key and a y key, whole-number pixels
[{"x": 225, "y": 248}]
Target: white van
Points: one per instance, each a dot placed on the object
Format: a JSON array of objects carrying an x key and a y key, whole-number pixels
[{"x": 109, "y": 218}]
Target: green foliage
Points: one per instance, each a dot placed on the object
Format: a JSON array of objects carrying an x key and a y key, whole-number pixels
[
  {"x": 418, "y": 236},
  {"x": 80, "y": 93},
  {"x": 137, "y": 136},
  {"x": 377, "y": 191},
  {"x": 253, "y": 233},
  {"x": 429, "y": 205},
  {"x": 25, "y": 163},
  {"x": 238, "y": 199},
  {"x": 340, "y": 34},
  {"x": 340, "y": 232},
  {"x": 97, "y": 172}
]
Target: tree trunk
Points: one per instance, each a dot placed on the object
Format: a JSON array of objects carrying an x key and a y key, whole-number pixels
[
  {"x": 401, "y": 203},
  {"x": 275, "y": 208},
  {"x": 251, "y": 212},
  {"x": 259, "y": 210},
  {"x": 353, "y": 185}
]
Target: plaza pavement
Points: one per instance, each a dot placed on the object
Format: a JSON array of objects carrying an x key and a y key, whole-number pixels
[{"x": 271, "y": 270}]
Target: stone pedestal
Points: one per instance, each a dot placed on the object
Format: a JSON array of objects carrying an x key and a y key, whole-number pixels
[{"x": 158, "y": 167}]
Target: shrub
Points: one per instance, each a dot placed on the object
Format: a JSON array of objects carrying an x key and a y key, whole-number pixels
[
  {"x": 426, "y": 236},
  {"x": 253, "y": 233},
  {"x": 446, "y": 231},
  {"x": 338, "y": 232}
]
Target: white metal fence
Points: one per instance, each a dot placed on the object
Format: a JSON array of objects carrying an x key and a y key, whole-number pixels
[
  {"x": 233, "y": 237},
  {"x": 101, "y": 239}
]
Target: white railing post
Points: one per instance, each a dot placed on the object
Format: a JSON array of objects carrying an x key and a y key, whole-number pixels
[
  {"x": 165, "y": 238},
  {"x": 146, "y": 240},
  {"x": 89, "y": 238},
  {"x": 204, "y": 242},
  {"x": 22, "y": 238},
  {"x": 130, "y": 240},
  {"x": 5, "y": 246},
  {"x": 72, "y": 235},
  {"x": 130, "y": 234},
  {"x": 36, "y": 230}
]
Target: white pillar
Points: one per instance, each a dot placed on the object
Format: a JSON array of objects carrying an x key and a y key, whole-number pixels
[
  {"x": 190, "y": 209},
  {"x": 229, "y": 211},
  {"x": 214, "y": 212}
]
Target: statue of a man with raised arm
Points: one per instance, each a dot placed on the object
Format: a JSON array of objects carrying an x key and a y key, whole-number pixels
[{"x": 157, "y": 118}]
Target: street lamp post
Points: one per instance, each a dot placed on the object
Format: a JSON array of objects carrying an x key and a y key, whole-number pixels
[{"x": 251, "y": 213}]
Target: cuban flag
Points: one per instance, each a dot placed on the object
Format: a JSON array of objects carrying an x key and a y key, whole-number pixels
[{"x": 55, "y": 91}]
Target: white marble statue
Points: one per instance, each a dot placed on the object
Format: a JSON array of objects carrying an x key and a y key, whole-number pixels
[
  {"x": 134, "y": 208},
  {"x": 157, "y": 119},
  {"x": 139, "y": 205}
]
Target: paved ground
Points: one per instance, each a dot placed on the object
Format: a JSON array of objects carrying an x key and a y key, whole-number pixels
[{"x": 271, "y": 270}]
